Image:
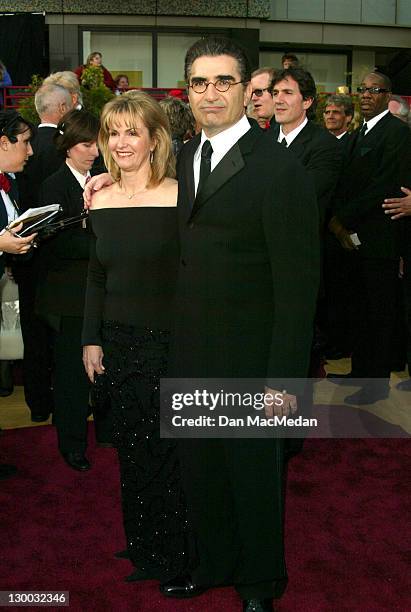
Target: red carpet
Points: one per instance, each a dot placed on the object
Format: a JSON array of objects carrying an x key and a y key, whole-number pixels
[{"x": 347, "y": 519}]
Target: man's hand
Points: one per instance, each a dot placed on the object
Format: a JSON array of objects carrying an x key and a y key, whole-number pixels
[
  {"x": 10, "y": 243},
  {"x": 342, "y": 234},
  {"x": 94, "y": 184},
  {"x": 398, "y": 207},
  {"x": 273, "y": 407},
  {"x": 93, "y": 360}
]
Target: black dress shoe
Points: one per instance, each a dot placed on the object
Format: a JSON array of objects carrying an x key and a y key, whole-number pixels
[
  {"x": 365, "y": 396},
  {"x": 138, "y": 575},
  {"x": 404, "y": 385},
  {"x": 39, "y": 417},
  {"x": 6, "y": 471},
  {"x": 77, "y": 461},
  {"x": 257, "y": 605},
  {"x": 181, "y": 587},
  {"x": 122, "y": 554}
]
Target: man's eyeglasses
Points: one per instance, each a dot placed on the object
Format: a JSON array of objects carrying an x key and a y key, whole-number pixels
[
  {"x": 372, "y": 90},
  {"x": 259, "y": 92},
  {"x": 221, "y": 85}
]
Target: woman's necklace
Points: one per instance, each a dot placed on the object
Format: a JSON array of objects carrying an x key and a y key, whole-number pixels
[{"x": 132, "y": 195}]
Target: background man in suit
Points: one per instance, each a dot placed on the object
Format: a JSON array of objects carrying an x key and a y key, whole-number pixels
[
  {"x": 373, "y": 170},
  {"x": 338, "y": 114},
  {"x": 262, "y": 98},
  {"x": 52, "y": 103},
  {"x": 294, "y": 95},
  {"x": 245, "y": 304}
]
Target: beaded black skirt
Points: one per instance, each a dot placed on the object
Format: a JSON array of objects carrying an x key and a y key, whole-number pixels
[{"x": 154, "y": 511}]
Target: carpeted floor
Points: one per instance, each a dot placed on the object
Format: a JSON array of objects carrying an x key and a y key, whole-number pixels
[{"x": 347, "y": 518}]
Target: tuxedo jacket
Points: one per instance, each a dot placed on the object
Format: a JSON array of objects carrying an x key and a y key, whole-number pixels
[
  {"x": 321, "y": 154},
  {"x": 63, "y": 259},
  {"x": 45, "y": 161},
  {"x": 249, "y": 268},
  {"x": 374, "y": 170}
]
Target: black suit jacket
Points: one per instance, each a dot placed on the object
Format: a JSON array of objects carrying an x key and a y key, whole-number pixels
[
  {"x": 249, "y": 264},
  {"x": 320, "y": 153},
  {"x": 44, "y": 162},
  {"x": 64, "y": 257},
  {"x": 372, "y": 172}
]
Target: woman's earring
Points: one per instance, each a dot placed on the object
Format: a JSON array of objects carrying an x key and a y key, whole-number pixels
[{"x": 151, "y": 156}]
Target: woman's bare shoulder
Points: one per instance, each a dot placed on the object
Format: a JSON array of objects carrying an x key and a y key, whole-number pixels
[{"x": 103, "y": 198}]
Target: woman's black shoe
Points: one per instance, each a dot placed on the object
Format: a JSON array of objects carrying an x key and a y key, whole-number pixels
[{"x": 181, "y": 587}]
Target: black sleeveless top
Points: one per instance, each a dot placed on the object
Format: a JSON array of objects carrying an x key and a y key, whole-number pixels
[{"x": 133, "y": 268}]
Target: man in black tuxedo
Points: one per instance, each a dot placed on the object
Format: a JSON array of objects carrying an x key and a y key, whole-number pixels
[
  {"x": 52, "y": 103},
  {"x": 372, "y": 171},
  {"x": 245, "y": 304},
  {"x": 294, "y": 95}
]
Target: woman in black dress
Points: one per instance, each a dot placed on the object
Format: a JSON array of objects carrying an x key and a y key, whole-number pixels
[
  {"x": 128, "y": 312},
  {"x": 63, "y": 262}
]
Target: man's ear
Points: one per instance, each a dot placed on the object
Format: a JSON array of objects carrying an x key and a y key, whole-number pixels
[
  {"x": 307, "y": 103},
  {"x": 248, "y": 92},
  {"x": 4, "y": 143}
]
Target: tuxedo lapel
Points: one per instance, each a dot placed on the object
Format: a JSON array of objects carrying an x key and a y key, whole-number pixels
[{"x": 228, "y": 167}]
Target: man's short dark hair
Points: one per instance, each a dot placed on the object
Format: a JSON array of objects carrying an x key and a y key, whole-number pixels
[
  {"x": 386, "y": 81},
  {"x": 305, "y": 82},
  {"x": 291, "y": 57},
  {"x": 341, "y": 100},
  {"x": 213, "y": 47}
]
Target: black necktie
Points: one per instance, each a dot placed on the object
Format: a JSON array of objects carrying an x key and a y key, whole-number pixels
[
  {"x": 205, "y": 166},
  {"x": 284, "y": 142},
  {"x": 361, "y": 134}
]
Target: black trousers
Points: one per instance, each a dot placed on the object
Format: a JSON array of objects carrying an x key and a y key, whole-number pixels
[
  {"x": 71, "y": 391},
  {"x": 37, "y": 362},
  {"x": 235, "y": 496},
  {"x": 375, "y": 289}
]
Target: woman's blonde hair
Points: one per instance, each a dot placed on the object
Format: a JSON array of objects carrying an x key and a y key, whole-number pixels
[{"x": 135, "y": 106}]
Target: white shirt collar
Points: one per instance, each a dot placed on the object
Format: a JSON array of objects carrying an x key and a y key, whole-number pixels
[
  {"x": 77, "y": 175},
  {"x": 373, "y": 122},
  {"x": 341, "y": 135},
  {"x": 293, "y": 134},
  {"x": 47, "y": 125},
  {"x": 221, "y": 143}
]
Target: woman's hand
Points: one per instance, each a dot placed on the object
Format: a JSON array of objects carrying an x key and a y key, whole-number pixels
[
  {"x": 93, "y": 360},
  {"x": 94, "y": 184},
  {"x": 10, "y": 243}
]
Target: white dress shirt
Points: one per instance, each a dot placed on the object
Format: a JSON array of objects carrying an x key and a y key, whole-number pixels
[
  {"x": 221, "y": 144},
  {"x": 81, "y": 178},
  {"x": 293, "y": 134},
  {"x": 373, "y": 122}
]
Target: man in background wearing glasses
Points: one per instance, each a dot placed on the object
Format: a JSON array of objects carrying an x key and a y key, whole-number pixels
[
  {"x": 373, "y": 171},
  {"x": 246, "y": 297},
  {"x": 262, "y": 99}
]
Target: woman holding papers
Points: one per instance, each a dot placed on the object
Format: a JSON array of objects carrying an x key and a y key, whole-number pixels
[
  {"x": 15, "y": 149},
  {"x": 127, "y": 319},
  {"x": 63, "y": 271}
]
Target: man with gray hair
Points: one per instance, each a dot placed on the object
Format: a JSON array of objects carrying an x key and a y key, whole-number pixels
[
  {"x": 262, "y": 99},
  {"x": 399, "y": 107},
  {"x": 69, "y": 81},
  {"x": 338, "y": 114}
]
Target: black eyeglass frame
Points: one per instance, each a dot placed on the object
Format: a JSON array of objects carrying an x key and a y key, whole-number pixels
[
  {"x": 205, "y": 84},
  {"x": 261, "y": 90},
  {"x": 372, "y": 90}
]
